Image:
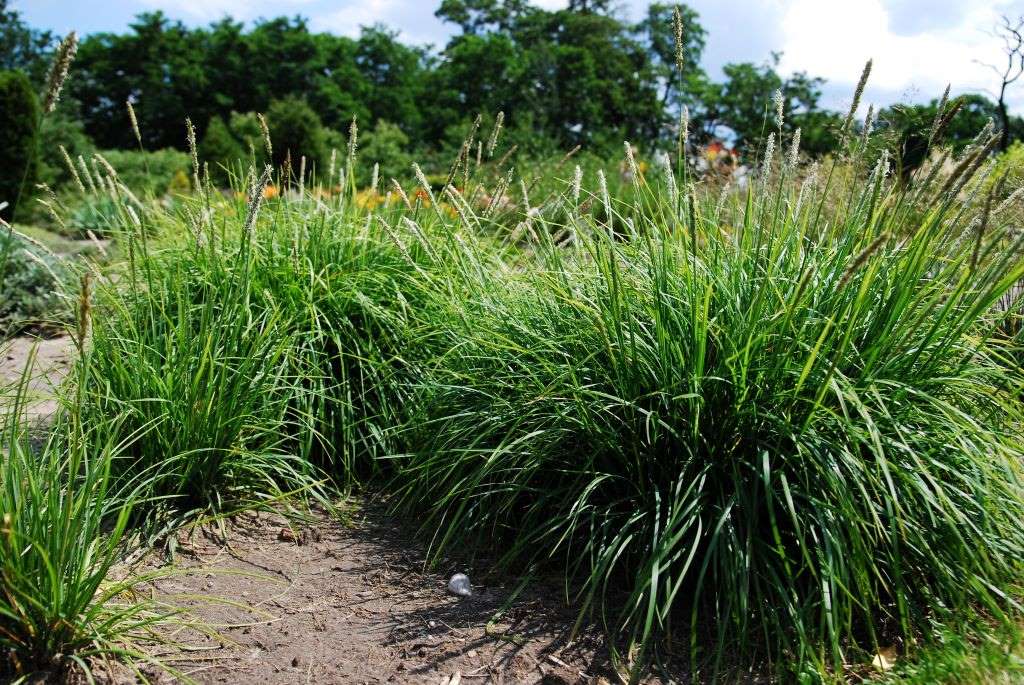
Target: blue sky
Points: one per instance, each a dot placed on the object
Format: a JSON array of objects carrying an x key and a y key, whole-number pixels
[{"x": 918, "y": 45}]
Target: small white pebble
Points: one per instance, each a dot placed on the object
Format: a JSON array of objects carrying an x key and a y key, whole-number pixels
[{"x": 459, "y": 585}]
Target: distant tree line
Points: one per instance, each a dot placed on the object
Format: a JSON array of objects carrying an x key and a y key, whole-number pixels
[{"x": 580, "y": 75}]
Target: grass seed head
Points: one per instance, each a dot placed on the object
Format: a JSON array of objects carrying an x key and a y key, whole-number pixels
[
  {"x": 794, "y": 150},
  {"x": 84, "y": 309},
  {"x": 134, "y": 122},
  {"x": 602, "y": 184},
  {"x": 421, "y": 178},
  {"x": 87, "y": 173},
  {"x": 862, "y": 258},
  {"x": 939, "y": 111},
  {"x": 190, "y": 136},
  {"x": 769, "y": 154},
  {"x": 71, "y": 168},
  {"x": 401, "y": 193},
  {"x": 855, "y": 103},
  {"x": 869, "y": 123},
  {"x": 266, "y": 135},
  {"x": 492, "y": 143},
  {"x": 59, "y": 71},
  {"x": 577, "y": 183},
  {"x": 353, "y": 142},
  {"x": 677, "y": 29}
]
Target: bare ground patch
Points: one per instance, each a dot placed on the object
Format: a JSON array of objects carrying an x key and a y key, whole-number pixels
[
  {"x": 328, "y": 602},
  {"x": 50, "y": 365}
]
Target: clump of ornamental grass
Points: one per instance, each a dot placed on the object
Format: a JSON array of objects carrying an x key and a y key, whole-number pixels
[
  {"x": 345, "y": 289},
  {"x": 747, "y": 428},
  {"x": 177, "y": 351},
  {"x": 260, "y": 349},
  {"x": 63, "y": 529}
]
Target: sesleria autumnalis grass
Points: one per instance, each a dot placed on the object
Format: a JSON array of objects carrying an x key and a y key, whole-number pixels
[
  {"x": 744, "y": 430},
  {"x": 63, "y": 529}
]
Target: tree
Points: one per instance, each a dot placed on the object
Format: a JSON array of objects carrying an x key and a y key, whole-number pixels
[
  {"x": 246, "y": 129},
  {"x": 388, "y": 146},
  {"x": 19, "y": 123},
  {"x": 579, "y": 72},
  {"x": 22, "y": 47},
  {"x": 741, "y": 107},
  {"x": 656, "y": 32},
  {"x": 221, "y": 149},
  {"x": 295, "y": 132},
  {"x": 61, "y": 128},
  {"x": 393, "y": 78},
  {"x": 484, "y": 16},
  {"x": 158, "y": 66},
  {"x": 973, "y": 112},
  {"x": 1012, "y": 35}
]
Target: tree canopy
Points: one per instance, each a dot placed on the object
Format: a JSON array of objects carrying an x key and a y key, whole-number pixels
[{"x": 580, "y": 75}]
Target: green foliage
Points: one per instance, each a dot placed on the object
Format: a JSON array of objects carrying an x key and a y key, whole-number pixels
[
  {"x": 210, "y": 382},
  {"x": 971, "y": 655},
  {"x": 388, "y": 146},
  {"x": 245, "y": 127},
  {"x": 62, "y": 532},
  {"x": 295, "y": 132},
  {"x": 737, "y": 419},
  {"x": 973, "y": 114},
  {"x": 221, "y": 150},
  {"x": 29, "y": 287},
  {"x": 741, "y": 422},
  {"x": 22, "y": 47},
  {"x": 148, "y": 173},
  {"x": 245, "y": 378},
  {"x": 1009, "y": 169},
  {"x": 19, "y": 159},
  {"x": 580, "y": 75},
  {"x": 742, "y": 106},
  {"x": 97, "y": 214},
  {"x": 62, "y": 127}
]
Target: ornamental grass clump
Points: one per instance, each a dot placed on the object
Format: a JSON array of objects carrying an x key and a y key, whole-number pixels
[
  {"x": 257, "y": 342},
  {"x": 63, "y": 529},
  {"x": 775, "y": 427}
]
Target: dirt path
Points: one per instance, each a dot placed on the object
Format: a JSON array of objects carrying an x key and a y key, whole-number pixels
[
  {"x": 51, "y": 365},
  {"x": 334, "y": 603}
]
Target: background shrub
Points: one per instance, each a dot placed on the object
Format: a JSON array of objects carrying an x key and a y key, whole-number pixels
[
  {"x": 61, "y": 128},
  {"x": 29, "y": 287},
  {"x": 388, "y": 146},
  {"x": 149, "y": 173},
  {"x": 221, "y": 150},
  {"x": 295, "y": 131},
  {"x": 19, "y": 122}
]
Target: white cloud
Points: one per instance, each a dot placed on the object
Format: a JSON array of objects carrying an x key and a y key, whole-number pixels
[
  {"x": 212, "y": 10},
  {"x": 833, "y": 39},
  {"x": 347, "y": 20}
]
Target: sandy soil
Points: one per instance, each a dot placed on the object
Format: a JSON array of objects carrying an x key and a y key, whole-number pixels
[
  {"x": 52, "y": 363},
  {"x": 328, "y": 602}
]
